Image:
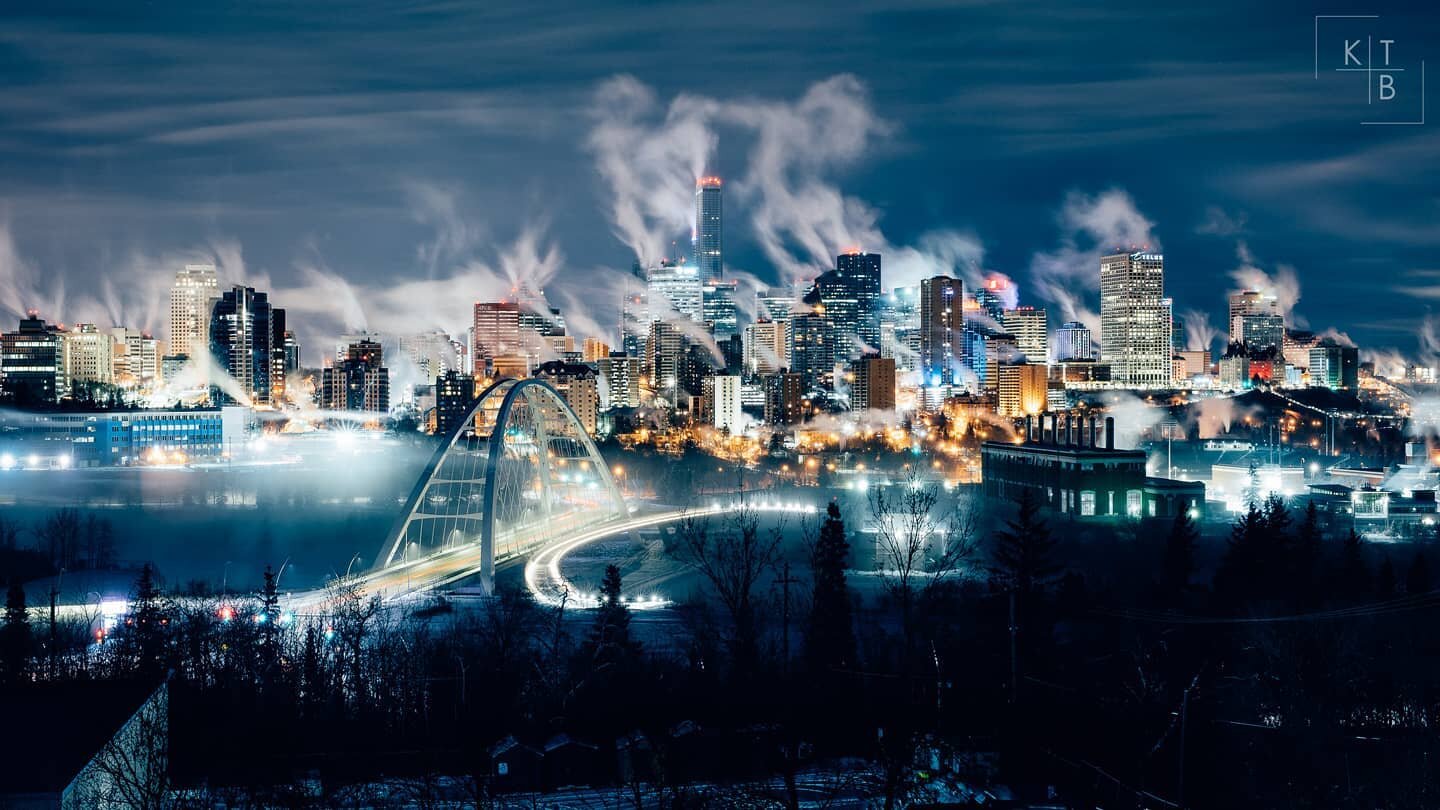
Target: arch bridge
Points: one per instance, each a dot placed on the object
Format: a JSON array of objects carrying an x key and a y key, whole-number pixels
[{"x": 519, "y": 471}]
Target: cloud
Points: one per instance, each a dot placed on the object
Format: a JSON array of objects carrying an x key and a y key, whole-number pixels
[
  {"x": 650, "y": 160},
  {"x": 1199, "y": 334},
  {"x": 1282, "y": 283},
  {"x": 650, "y": 155},
  {"x": 1218, "y": 222},
  {"x": 1090, "y": 226}
]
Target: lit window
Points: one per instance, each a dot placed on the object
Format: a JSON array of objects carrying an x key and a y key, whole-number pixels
[{"x": 1087, "y": 502}]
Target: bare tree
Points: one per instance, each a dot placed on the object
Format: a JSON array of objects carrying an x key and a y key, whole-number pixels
[
  {"x": 732, "y": 558},
  {"x": 132, "y": 769},
  {"x": 919, "y": 541},
  {"x": 60, "y": 537},
  {"x": 354, "y": 616}
]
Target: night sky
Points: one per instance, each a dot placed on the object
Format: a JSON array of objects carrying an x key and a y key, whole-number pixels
[{"x": 383, "y": 164}]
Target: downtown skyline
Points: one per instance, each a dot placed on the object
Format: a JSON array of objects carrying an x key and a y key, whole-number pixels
[{"x": 403, "y": 220}]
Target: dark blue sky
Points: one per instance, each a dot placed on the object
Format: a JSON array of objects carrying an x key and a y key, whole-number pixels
[{"x": 379, "y": 161}]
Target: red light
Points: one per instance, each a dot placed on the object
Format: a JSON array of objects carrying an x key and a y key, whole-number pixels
[{"x": 227, "y": 613}]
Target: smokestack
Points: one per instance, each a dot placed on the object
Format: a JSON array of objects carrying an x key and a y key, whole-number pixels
[{"x": 1109, "y": 433}]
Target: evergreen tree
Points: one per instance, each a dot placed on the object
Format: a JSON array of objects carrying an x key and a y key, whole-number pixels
[
  {"x": 269, "y": 630},
  {"x": 15, "y": 638},
  {"x": 830, "y": 637},
  {"x": 1306, "y": 555},
  {"x": 147, "y": 628},
  {"x": 610, "y": 642},
  {"x": 1244, "y": 565},
  {"x": 1252, "y": 487},
  {"x": 1179, "y": 561},
  {"x": 1417, "y": 579},
  {"x": 1022, "y": 555}
]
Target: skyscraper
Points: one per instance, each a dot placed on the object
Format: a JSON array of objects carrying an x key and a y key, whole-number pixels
[
  {"x": 809, "y": 341},
  {"x": 1073, "y": 342},
  {"x": 676, "y": 287},
  {"x": 1031, "y": 329},
  {"x": 718, "y": 307},
  {"x": 708, "y": 242},
  {"x": 765, "y": 347},
  {"x": 243, "y": 344},
  {"x": 942, "y": 328},
  {"x": 1245, "y": 303},
  {"x": 861, "y": 273},
  {"x": 775, "y": 303},
  {"x": 497, "y": 332},
  {"x": 1135, "y": 319},
  {"x": 194, "y": 292},
  {"x": 1262, "y": 332},
  {"x": 665, "y": 348}
]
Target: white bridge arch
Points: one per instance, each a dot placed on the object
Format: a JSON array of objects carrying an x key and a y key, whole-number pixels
[{"x": 518, "y": 472}]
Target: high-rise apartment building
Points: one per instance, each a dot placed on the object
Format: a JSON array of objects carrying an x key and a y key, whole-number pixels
[
  {"x": 665, "y": 350},
  {"x": 874, "y": 387},
  {"x": 765, "y": 347},
  {"x": 1135, "y": 319},
  {"x": 193, "y": 294},
  {"x": 708, "y": 239},
  {"x": 784, "y": 398},
  {"x": 619, "y": 381},
  {"x": 942, "y": 328},
  {"x": 721, "y": 394},
  {"x": 577, "y": 385},
  {"x": 1031, "y": 329}
]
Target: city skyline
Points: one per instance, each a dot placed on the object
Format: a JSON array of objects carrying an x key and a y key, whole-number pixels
[{"x": 435, "y": 232}]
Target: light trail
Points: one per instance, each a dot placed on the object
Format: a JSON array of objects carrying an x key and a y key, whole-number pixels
[{"x": 446, "y": 567}]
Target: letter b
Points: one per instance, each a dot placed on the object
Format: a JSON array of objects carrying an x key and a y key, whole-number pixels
[{"x": 1387, "y": 87}]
